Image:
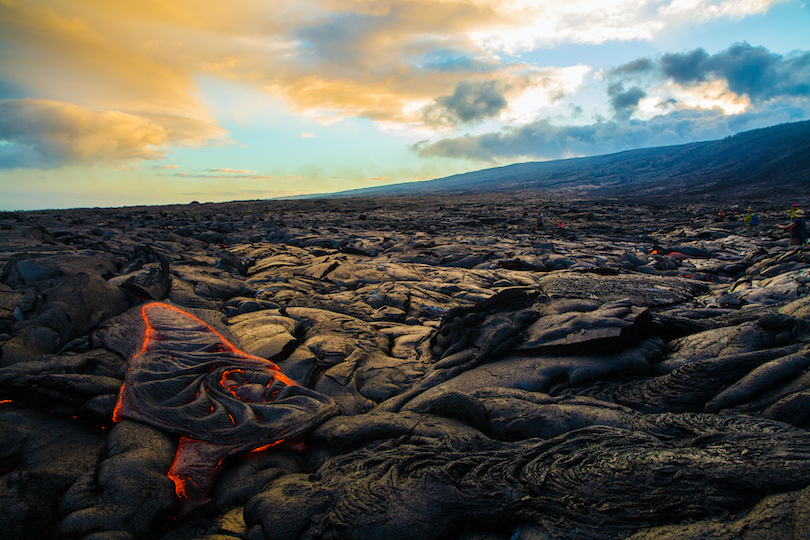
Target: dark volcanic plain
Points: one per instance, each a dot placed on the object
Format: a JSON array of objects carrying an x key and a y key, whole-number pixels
[{"x": 465, "y": 374}]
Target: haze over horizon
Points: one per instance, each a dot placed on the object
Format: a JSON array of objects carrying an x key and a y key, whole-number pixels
[{"x": 120, "y": 104}]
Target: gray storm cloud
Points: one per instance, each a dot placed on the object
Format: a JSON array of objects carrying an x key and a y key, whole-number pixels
[
  {"x": 636, "y": 67},
  {"x": 752, "y": 71},
  {"x": 624, "y": 102},
  {"x": 470, "y": 102}
]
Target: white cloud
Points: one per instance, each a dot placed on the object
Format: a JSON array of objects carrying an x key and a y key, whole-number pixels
[
  {"x": 711, "y": 94},
  {"x": 704, "y": 10},
  {"x": 526, "y": 101}
]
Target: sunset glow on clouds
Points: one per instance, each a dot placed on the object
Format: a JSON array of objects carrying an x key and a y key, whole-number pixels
[{"x": 119, "y": 103}]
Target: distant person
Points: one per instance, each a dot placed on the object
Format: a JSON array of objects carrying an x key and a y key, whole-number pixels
[
  {"x": 721, "y": 216},
  {"x": 541, "y": 221},
  {"x": 751, "y": 220},
  {"x": 797, "y": 228},
  {"x": 791, "y": 212}
]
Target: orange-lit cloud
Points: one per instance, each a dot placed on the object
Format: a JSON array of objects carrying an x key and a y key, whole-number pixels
[
  {"x": 163, "y": 167},
  {"x": 96, "y": 57},
  {"x": 414, "y": 64},
  {"x": 38, "y": 132}
]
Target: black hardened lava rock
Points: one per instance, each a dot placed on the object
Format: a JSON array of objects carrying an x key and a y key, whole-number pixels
[{"x": 403, "y": 368}]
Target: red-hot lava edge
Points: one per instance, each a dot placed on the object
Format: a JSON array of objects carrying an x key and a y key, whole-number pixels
[{"x": 193, "y": 454}]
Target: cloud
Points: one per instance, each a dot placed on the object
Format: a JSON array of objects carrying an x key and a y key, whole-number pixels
[
  {"x": 230, "y": 171},
  {"x": 307, "y": 135},
  {"x": 383, "y": 60},
  {"x": 684, "y": 68},
  {"x": 752, "y": 71},
  {"x": 217, "y": 173},
  {"x": 163, "y": 167},
  {"x": 331, "y": 55},
  {"x": 72, "y": 52},
  {"x": 733, "y": 79},
  {"x": 636, "y": 67},
  {"x": 379, "y": 59},
  {"x": 38, "y": 133},
  {"x": 624, "y": 102},
  {"x": 542, "y": 140},
  {"x": 674, "y": 99},
  {"x": 470, "y": 102},
  {"x": 707, "y": 10}
]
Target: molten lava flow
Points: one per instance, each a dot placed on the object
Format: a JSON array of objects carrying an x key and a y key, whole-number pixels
[
  {"x": 188, "y": 379},
  {"x": 295, "y": 445},
  {"x": 195, "y": 468}
]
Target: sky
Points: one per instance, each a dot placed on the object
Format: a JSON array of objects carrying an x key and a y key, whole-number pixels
[{"x": 105, "y": 103}]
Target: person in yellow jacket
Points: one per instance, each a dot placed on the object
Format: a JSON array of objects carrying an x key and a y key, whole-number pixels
[
  {"x": 751, "y": 221},
  {"x": 791, "y": 212}
]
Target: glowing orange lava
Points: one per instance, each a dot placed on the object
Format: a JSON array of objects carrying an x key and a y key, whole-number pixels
[
  {"x": 179, "y": 483},
  {"x": 296, "y": 445},
  {"x": 151, "y": 335},
  {"x": 197, "y": 462}
]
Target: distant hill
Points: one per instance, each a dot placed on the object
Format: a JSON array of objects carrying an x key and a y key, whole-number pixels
[{"x": 754, "y": 163}]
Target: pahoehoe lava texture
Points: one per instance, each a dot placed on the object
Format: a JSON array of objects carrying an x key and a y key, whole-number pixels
[
  {"x": 403, "y": 368},
  {"x": 595, "y": 482}
]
